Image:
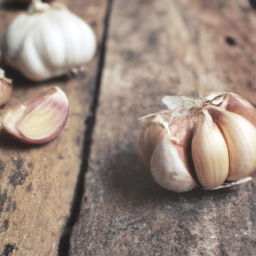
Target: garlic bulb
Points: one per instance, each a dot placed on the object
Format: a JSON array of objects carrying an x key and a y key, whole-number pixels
[
  {"x": 47, "y": 41},
  {"x": 29, "y": 1},
  {"x": 5, "y": 88},
  {"x": 200, "y": 142}
]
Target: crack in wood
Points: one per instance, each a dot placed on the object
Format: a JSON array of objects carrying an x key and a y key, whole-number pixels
[{"x": 64, "y": 244}]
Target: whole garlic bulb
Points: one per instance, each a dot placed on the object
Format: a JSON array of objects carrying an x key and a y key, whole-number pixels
[
  {"x": 47, "y": 41},
  {"x": 200, "y": 142}
]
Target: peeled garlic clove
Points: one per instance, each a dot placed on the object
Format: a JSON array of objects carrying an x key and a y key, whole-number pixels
[
  {"x": 40, "y": 119},
  {"x": 51, "y": 42},
  {"x": 209, "y": 153},
  {"x": 162, "y": 151},
  {"x": 240, "y": 136},
  {"x": 5, "y": 88}
]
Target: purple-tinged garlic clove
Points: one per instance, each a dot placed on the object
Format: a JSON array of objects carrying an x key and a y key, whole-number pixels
[
  {"x": 242, "y": 107},
  {"x": 40, "y": 119},
  {"x": 233, "y": 103}
]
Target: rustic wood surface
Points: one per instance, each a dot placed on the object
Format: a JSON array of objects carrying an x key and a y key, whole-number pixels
[
  {"x": 37, "y": 182},
  {"x": 154, "y": 48}
]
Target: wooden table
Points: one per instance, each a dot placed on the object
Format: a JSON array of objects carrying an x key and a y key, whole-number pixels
[
  {"x": 37, "y": 184},
  {"x": 153, "y": 48}
]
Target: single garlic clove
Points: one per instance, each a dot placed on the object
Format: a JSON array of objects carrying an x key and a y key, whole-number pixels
[
  {"x": 5, "y": 88},
  {"x": 233, "y": 103},
  {"x": 152, "y": 132},
  {"x": 169, "y": 163},
  {"x": 241, "y": 106},
  {"x": 240, "y": 136},
  {"x": 209, "y": 153},
  {"x": 40, "y": 119},
  {"x": 168, "y": 169}
]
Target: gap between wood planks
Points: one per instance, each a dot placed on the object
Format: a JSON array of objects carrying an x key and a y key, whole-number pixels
[{"x": 64, "y": 244}]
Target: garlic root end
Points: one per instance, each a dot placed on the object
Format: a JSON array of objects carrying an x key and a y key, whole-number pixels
[{"x": 231, "y": 184}]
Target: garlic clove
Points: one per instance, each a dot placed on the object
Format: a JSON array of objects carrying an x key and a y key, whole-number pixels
[
  {"x": 209, "y": 153},
  {"x": 152, "y": 132},
  {"x": 180, "y": 133},
  {"x": 5, "y": 88},
  {"x": 242, "y": 107},
  {"x": 169, "y": 164},
  {"x": 40, "y": 119},
  {"x": 168, "y": 169},
  {"x": 234, "y": 103},
  {"x": 240, "y": 136}
]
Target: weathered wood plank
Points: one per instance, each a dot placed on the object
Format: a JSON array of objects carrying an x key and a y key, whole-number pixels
[
  {"x": 156, "y": 48},
  {"x": 37, "y": 182}
]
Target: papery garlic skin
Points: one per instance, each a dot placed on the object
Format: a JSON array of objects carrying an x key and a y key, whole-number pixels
[
  {"x": 47, "y": 41},
  {"x": 5, "y": 88},
  {"x": 40, "y": 119},
  {"x": 233, "y": 103}
]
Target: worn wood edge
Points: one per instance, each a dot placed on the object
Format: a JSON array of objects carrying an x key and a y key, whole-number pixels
[
  {"x": 35, "y": 204},
  {"x": 64, "y": 245}
]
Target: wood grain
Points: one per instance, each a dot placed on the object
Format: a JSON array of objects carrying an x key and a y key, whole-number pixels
[
  {"x": 156, "y": 48},
  {"x": 37, "y": 182}
]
